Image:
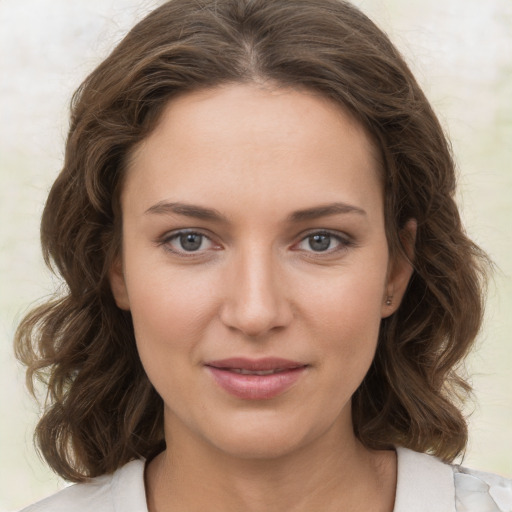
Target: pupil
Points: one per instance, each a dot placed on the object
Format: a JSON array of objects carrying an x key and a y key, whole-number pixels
[
  {"x": 319, "y": 242},
  {"x": 191, "y": 241}
]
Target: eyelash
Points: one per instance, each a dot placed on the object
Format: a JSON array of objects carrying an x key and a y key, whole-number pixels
[
  {"x": 344, "y": 243},
  {"x": 175, "y": 235}
]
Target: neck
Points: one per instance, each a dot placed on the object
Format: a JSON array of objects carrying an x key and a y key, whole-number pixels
[{"x": 330, "y": 474}]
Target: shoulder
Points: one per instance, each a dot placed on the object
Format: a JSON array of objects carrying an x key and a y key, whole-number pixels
[
  {"x": 426, "y": 484},
  {"x": 92, "y": 495},
  {"x": 476, "y": 490},
  {"x": 122, "y": 490}
]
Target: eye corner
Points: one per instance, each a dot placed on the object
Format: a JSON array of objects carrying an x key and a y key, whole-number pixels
[
  {"x": 174, "y": 242},
  {"x": 325, "y": 239}
]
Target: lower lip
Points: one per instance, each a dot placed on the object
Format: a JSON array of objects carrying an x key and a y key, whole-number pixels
[{"x": 256, "y": 387}]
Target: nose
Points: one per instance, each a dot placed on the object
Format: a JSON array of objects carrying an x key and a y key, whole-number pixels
[{"x": 255, "y": 301}]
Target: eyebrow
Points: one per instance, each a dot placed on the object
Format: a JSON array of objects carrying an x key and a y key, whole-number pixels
[
  {"x": 189, "y": 210},
  {"x": 324, "y": 211},
  {"x": 200, "y": 212}
]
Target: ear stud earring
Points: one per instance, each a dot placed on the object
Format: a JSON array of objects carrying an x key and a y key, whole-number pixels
[{"x": 389, "y": 300}]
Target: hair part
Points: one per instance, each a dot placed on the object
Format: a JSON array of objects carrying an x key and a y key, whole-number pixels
[{"x": 101, "y": 410}]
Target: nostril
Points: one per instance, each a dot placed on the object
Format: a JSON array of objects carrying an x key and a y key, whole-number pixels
[{"x": 254, "y": 320}]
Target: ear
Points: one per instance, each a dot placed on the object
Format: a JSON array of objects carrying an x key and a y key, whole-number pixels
[
  {"x": 400, "y": 270},
  {"x": 118, "y": 285}
]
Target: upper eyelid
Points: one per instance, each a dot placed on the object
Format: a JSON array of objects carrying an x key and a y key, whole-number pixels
[
  {"x": 327, "y": 231},
  {"x": 332, "y": 232},
  {"x": 183, "y": 231},
  {"x": 300, "y": 236},
  {"x": 169, "y": 236}
]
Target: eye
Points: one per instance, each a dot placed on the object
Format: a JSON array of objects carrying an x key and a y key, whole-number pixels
[
  {"x": 323, "y": 241},
  {"x": 183, "y": 242}
]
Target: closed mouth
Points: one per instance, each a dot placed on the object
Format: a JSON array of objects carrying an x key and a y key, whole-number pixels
[
  {"x": 264, "y": 366},
  {"x": 243, "y": 371},
  {"x": 256, "y": 379}
]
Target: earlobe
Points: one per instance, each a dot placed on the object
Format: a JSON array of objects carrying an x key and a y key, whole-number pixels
[
  {"x": 400, "y": 271},
  {"x": 118, "y": 285}
]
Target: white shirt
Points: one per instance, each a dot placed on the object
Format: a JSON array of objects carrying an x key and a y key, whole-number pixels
[{"x": 424, "y": 484}]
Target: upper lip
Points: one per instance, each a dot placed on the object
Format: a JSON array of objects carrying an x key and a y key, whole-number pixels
[{"x": 267, "y": 363}]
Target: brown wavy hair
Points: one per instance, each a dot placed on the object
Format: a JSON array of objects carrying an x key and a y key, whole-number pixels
[{"x": 101, "y": 410}]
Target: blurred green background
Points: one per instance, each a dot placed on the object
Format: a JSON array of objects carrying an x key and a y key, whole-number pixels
[{"x": 460, "y": 51}]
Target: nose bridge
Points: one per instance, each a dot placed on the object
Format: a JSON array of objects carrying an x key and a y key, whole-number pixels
[{"x": 255, "y": 300}]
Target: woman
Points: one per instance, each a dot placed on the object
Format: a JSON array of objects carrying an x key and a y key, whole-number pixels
[{"x": 269, "y": 287}]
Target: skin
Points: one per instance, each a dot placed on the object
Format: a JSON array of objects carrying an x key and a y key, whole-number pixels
[{"x": 256, "y": 287}]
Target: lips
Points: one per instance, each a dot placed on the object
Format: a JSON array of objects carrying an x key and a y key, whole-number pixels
[
  {"x": 243, "y": 371},
  {"x": 255, "y": 379}
]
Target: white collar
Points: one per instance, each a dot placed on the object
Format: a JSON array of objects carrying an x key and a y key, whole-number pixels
[{"x": 424, "y": 483}]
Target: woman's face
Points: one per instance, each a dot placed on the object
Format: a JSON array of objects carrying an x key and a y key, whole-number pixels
[{"x": 255, "y": 266}]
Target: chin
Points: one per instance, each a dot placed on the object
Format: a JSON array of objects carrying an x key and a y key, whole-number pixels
[
  {"x": 258, "y": 448},
  {"x": 259, "y": 438}
]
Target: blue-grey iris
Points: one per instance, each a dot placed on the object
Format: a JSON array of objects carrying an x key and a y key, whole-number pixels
[
  {"x": 191, "y": 241},
  {"x": 319, "y": 242}
]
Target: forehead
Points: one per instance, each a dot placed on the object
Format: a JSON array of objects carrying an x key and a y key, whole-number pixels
[
  {"x": 250, "y": 140},
  {"x": 258, "y": 109}
]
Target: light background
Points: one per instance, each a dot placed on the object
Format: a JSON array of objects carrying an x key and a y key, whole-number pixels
[{"x": 460, "y": 51}]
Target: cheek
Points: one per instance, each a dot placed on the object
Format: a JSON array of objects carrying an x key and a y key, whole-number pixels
[
  {"x": 346, "y": 315},
  {"x": 350, "y": 300},
  {"x": 162, "y": 295},
  {"x": 170, "y": 309},
  {"x": 169, "y": 316}
]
